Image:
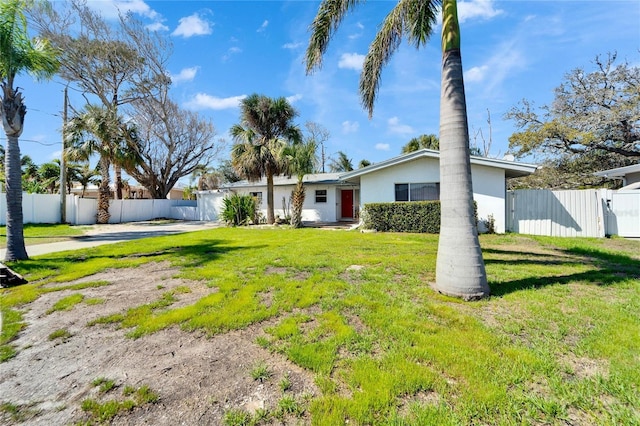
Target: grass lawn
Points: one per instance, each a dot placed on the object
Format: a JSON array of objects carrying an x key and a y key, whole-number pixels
[
  {"x": 557, "y": 343},
  {"x": 44, "y": 233}
]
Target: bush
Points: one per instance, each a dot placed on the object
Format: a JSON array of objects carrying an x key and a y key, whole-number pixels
[
  {"x": 239, "y": 209},
  {"x": 415, "y": 216},
  {"x": 418, "y": 216}
]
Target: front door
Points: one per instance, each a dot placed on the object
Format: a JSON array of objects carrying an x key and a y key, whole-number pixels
[{"x": 347, "y": 204}]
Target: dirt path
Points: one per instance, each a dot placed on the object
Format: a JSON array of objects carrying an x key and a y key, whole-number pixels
[{"x": 197, "y": 378}]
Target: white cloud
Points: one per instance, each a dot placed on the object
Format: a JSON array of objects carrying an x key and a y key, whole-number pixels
[
  {"x": 354, "y": 36},
  {"x": 351, "y": 61},
  {"x": 157, "y": 26},
  {"x": 263, "y": 27},
  {"x": 477, "y": 9},
  {"x": 186, "y": 74},
  {"x": 112, "y": 8},
  {"x": 232, "y": 51},
  {"x": 476, "y": 74},
  {"x": 507, "y": 59},
  {"x": 383, "y": 147},
  {"x": 294, "y": 98},
  {"x": 350, "y": 126},
  {"x": 193, "y": 25},
  {"x": 396, "y": 127},
  {"x": 204, "y": 101},
  {"x": 291, "y": 45}
]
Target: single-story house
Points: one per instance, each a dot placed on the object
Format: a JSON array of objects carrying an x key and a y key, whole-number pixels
[
  {"x": 630, "y": 176},
  {"x": 333, "y": 197}
]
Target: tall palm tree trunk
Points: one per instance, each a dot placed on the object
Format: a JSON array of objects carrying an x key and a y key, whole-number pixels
[
  {"x": 270, "y": 213},
  {"x": 297, "y": 197},
  {"x": 104, "y": 192},
  {"x": 117, "y": 170},
  {"x": 460, "y": 269},
  {"x": 15, "y": 229}
]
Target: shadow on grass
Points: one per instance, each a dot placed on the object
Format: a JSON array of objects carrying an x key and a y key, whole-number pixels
[
  {"x": 610, "y": 268},
  {"x": 188, "y": 254}
]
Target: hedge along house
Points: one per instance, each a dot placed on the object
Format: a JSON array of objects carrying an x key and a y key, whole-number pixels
[
  {"x": 416, "y": 177},
  {"x": 328, "y": 198}
]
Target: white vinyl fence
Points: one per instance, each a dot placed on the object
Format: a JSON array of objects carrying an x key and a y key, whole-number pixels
[
  {"x": 578, "y": 213},
  {"x": 45, "y": 208}
]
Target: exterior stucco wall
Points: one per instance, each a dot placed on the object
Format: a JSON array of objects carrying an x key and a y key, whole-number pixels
[
  {"x": 311, "y": 211},
  {"x": 488, "y": 186}
]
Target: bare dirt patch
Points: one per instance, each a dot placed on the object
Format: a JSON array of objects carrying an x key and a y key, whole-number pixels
[{"x": 198, "y": 378}]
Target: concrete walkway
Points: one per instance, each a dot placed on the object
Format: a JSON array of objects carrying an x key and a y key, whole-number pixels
[{"x": 110, "y": 234}]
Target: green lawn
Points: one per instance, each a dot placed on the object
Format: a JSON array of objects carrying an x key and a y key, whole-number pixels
[
  {"x": 557, "y": 343},
  {"x": 44, "y": 233}
]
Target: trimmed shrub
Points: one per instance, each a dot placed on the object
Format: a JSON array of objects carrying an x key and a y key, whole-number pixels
[
  {"x": 415, "y": 216},
  {"x": 239, "y": 209}
]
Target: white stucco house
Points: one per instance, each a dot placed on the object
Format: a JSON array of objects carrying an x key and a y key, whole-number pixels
[
  {"x": 334, "y": 197},
  {"x": 630, "y": 176}
]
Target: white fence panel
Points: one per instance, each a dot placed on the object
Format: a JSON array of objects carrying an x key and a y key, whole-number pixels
[
  {"x": 210, "y": 204},
  {"x": 184, "y": 213},
  {"x": 624, "y": 214},
  {"x": 45, "y": 208},
  {"x": 556, "y": 213}
]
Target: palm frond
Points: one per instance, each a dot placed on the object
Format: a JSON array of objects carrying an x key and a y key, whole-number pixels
[
  {"x": 416, "y": 19},
  {"x": 328, "y": 19}
]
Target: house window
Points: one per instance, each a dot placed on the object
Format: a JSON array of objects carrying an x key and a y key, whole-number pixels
[
  {"x": 321, "y": 195},
  {"x": 257, "y": 196},
  {"x": 417, "y": 191}
]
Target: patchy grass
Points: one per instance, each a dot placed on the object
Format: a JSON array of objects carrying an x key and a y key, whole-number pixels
[
  {"x": 40, "y": 233},
  {"x": 61, "y": 334},
  {"x": 102, "y": 412},
  {"x": 557, "y": 343}
]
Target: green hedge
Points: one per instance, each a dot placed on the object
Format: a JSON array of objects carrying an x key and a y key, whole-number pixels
[{"x": 416, "y": 216}]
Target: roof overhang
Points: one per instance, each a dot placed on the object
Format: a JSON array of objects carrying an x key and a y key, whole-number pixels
[
  {"x": 620, "y": 172},
  {"x": 512, "y": 169}
]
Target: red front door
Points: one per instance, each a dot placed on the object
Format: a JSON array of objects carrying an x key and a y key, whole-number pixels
[{"x": 347, "y": 204}]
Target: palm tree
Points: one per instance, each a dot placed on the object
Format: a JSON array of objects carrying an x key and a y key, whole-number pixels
[
  {"x": 460, "y": 269},
  {"x": 302, "y": 160},
  {"x": 422, "y": 141},
  {"x": 84, "y": 175},
  {"x": 260, "y": 138},
  {"x": 18, "y": 53},
  {"x": 95, "y": 131},
  {"x": 341, "y": 164}
]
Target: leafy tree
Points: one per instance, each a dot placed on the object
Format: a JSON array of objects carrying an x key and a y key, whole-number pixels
[
  {"x": 341, "y": 164},
  {"x": 597, "y": 111},
  {"x": 265, "y": 128},
  {"x": 117, "y": 64},
  {"x": 208, "y": 178},
  {"x": 167, "y": 143},
  {"x": 85, "y": 175},
  {"x": 460, "y": 268},
  {"x": 49, "y": 176},
  {"x": 421, "y": 142},
  {"x": 227, "y": 172},
  {"x": 301, "y": 161},
  {"x": 93, "y": 131},
  {"x": 364, "y": 163},
  {"x": 18, "y": 53}
]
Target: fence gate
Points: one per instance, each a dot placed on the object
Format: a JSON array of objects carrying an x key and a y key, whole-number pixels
[{"x": 623, "y": 214}]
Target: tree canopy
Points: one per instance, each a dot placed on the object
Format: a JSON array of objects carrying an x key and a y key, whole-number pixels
[
  {"x": 421, "y": 142},
  {"x": 592, "y": 111}
]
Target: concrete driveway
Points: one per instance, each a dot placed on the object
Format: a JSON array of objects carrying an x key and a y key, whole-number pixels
[{"x": 110, "y": 234}]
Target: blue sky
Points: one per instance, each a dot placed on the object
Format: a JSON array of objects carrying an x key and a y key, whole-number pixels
[{"x": 225, "y": 50}]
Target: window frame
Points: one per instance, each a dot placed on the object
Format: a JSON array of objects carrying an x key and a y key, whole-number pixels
[
  {"x": 408, "y": 191},
  {"x": 319, "y": 196}
]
